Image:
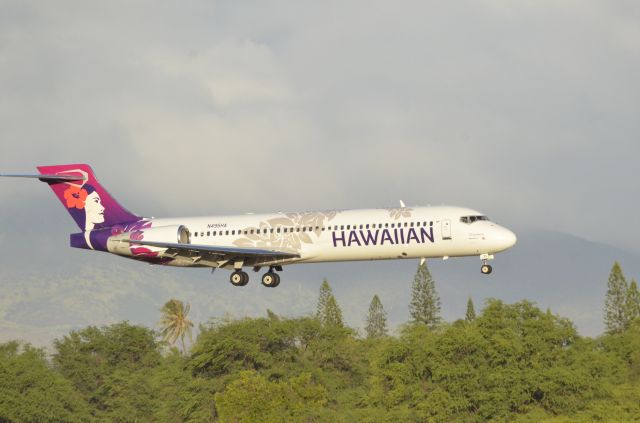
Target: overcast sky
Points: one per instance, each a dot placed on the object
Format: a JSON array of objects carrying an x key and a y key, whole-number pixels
[{"x": 525, "y": 110}]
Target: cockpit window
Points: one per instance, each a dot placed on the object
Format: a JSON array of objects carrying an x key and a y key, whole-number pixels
[{"x": 470, "y": 219}]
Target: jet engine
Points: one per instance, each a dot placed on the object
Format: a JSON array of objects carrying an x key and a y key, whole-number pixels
[{"x": 119, "y": 244}]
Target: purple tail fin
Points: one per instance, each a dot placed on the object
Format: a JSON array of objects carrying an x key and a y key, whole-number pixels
[{"x": 90, "y": 205}]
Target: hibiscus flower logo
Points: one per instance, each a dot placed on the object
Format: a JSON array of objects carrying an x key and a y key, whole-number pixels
[{"x": 75, "y": 197}]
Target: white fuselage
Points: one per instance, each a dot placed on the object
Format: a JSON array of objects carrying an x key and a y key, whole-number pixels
[{"x": 372, "y": 234}]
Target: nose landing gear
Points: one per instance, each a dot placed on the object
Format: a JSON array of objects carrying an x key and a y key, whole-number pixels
[{"x": 486, "y": 268}]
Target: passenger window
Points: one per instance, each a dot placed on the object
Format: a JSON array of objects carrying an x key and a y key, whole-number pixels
[
  {"x": 233, "y": 232},
  {"x": 226, "y": 232},
  {"x": 411, "y": 224},
  {"x": 406, "y": 224},
  {"x": 195, "y": 233},
  {"x": 367, "y": 226},
  {"x": 214, "y": 233}
]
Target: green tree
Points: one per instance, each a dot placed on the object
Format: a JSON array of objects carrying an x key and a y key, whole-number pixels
[
  {"x": 323, "y": 299},
  {"x": 425, "y": 302},
  {"x": 328, "y": 310},
  {"x": 252, "y": 398},
  {"x": 512, "y": 359},
  {"x": 184, "y": 397},
  {"x": 111, "y": 367},
  {"x": 615, "y": 305},
  {"x": 174, "y": 322},
  {"x": 376, "y": 319},
  {"x": 470, "y": 315},
  {"x": 632, "y": 306},
  {"x": 30, "y": 391},
  {"x": 333, "y": 315}
]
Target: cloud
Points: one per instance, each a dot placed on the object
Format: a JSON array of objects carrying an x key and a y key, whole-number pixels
[{"x": 517, "y": 109}]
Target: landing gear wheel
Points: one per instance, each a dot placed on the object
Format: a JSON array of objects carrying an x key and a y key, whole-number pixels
[
  {"x": 486, "y": 269},
  {"x": 239, "y": 278},
  {"x": 277, "y": 280},
  {"x": 270, "y": 279}
]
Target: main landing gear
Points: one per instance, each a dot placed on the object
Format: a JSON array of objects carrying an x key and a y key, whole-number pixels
[
  {"x": 239, "y": 278},
  {"x": 486, "y": 268},
  {"x": 270, "y": 279}
]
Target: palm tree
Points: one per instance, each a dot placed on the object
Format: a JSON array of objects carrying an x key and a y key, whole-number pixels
[{"x": 174, "y": 322}]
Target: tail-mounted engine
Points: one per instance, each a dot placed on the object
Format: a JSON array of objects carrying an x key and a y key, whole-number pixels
[{"x": 120, "y": 243}]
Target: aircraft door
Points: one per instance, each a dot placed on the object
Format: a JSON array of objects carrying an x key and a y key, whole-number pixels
[{"x": 446, "y": 229}]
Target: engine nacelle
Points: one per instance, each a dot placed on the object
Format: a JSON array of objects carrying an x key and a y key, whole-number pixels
[{"x": 119, "y": 244}]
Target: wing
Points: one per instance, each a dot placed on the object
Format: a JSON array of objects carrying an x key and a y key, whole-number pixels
[{"x": 220, "y": 252}]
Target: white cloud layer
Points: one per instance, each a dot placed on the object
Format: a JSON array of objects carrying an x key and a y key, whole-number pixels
[{"x": 526, "y": 110}]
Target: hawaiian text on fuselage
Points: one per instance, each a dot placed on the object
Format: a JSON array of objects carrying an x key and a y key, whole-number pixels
[{"x": 393, "y": 236}]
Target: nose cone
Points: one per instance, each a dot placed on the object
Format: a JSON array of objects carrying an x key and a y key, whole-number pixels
[{"x": 505, "y": 239}]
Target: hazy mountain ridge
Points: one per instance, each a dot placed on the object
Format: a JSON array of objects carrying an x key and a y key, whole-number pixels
[{"x": 559, "y": 271}]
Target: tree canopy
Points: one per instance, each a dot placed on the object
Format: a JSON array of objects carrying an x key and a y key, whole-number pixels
[
  {"x": 425, "y": 302},
  {"x": 509, "y": 362},
  {"x": 376, "y": 319},
  {"x": 328, "y": 310}
]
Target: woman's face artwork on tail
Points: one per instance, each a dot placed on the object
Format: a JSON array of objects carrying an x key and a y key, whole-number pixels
[
  {"x": 94, "y": 209},
  {"x": 86, "y": 200}
]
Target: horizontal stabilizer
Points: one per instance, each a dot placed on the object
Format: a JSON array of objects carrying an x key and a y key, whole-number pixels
[{"x": 51, "y": 179}]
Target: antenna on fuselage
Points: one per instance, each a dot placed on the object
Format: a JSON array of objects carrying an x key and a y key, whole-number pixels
[{"x": 402, "y": 204}]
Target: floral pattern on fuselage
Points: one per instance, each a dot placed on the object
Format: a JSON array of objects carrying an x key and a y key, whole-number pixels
[
  {"x": 399, "y": 212},
  {"x": 301, "y": 229}
]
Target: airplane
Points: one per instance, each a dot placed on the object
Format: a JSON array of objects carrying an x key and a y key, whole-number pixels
[{"x": 272, "y": 240}]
